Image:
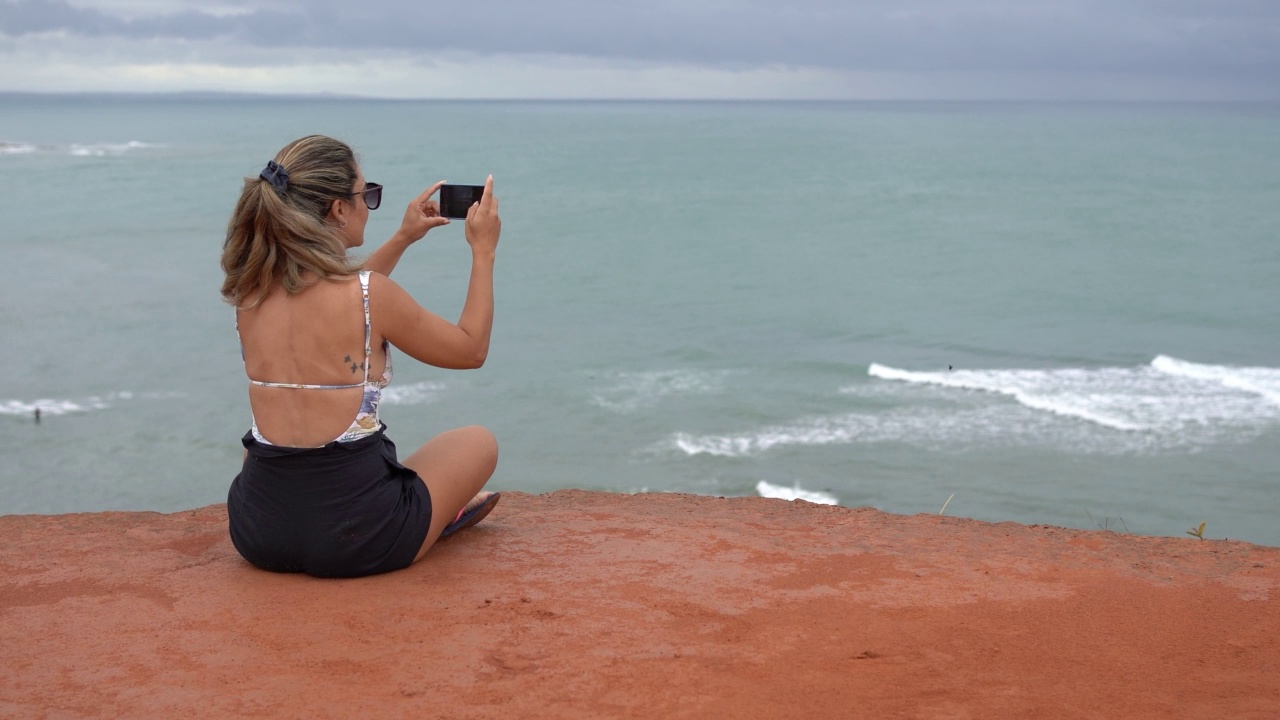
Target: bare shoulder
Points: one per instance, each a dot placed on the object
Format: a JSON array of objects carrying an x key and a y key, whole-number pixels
[
  {"x": 386, "y": 291},
  {"x": 392, "y": 306}
]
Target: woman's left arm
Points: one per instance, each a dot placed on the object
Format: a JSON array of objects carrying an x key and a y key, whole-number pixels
[{"x": 421, "y": 215}]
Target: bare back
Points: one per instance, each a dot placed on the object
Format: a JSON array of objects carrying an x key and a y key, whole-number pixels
[{"x": 316, "y": 337}]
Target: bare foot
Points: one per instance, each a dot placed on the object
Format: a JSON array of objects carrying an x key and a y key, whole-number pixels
[{"x": 475, "y": 502}]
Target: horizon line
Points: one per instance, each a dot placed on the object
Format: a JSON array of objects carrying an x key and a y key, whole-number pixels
[{"x": 326, "y": 96}]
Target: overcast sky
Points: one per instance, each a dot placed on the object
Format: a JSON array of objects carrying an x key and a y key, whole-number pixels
[{"x": 946, "y": 49}]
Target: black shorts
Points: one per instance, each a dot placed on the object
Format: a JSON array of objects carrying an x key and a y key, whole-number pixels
[{"x": 342, "y": 510}]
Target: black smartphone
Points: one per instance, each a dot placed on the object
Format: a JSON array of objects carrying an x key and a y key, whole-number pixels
[{"x": 455, "y": 200}]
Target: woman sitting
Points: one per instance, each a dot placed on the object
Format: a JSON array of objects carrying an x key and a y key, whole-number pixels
[{"x": 321, "y": 490}]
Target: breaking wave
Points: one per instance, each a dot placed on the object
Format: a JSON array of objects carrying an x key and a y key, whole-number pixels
[
  {"x": 1164, "y": 396},
  {"x": 782, "y": 492},
  {"x": 1167, "y": 404},
  {"x": 1258, "y": 380}
]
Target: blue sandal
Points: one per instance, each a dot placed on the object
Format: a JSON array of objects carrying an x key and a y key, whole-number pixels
[{"x": 466, "y": 518}]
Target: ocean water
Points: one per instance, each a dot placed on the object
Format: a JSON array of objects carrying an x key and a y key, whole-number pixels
[{"x": 1045, "y": 313}]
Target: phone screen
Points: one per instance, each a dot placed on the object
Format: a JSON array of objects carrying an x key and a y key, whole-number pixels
[{"x": 455, "y": 200}]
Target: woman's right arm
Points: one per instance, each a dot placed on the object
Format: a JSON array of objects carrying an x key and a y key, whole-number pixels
[{"x": 429, "y": 338}]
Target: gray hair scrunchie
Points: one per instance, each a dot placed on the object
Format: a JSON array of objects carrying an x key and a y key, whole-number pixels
[{"x": 275, "y": 174}]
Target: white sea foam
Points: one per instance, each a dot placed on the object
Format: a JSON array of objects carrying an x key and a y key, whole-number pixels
[
  {"x": 919, "y": 425},
  {"x": 76, "y": 149},
  {"x": 813, "y": 431},
  {"x": 60, "y": 406},
  {"x": 630, "y": 391},
  {"x": 107, "y": 149},
  {"x": 1165, "y": 396},
  {"x": 420, "y": 393},
  {"x": 1072, "y": 393},
  {"x": 1262, "y": 381},
  {"x": 1166, "y": 405},
  {"x": 9, "y": 148},
  {"x": 67, "y": 406},
  {"x": 781, "y": 492}
]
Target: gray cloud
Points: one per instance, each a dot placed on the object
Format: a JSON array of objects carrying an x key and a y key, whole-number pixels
[
  {"x": 1236, "y": 38},
  {"x": 28, "y": 17}
]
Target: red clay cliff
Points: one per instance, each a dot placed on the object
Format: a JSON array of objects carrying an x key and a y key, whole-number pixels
[{"x": 584, "y": 605}]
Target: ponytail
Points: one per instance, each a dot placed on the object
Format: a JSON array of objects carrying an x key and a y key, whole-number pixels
[{"x": 278, "y": 231}]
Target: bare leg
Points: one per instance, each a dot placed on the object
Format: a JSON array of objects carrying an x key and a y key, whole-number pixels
[{"x": 454, "y": 465}]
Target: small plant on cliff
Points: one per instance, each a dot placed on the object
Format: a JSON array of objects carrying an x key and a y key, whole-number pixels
[
  {"x": 1197, "y": 531},
  {"x": 1108, "y": 522}
]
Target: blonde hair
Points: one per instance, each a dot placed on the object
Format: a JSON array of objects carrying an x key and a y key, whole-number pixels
[{"x": 279, "y": 235}]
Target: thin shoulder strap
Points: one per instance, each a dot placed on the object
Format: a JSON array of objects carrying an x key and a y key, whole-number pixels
[{"x": 368, "y": 325}]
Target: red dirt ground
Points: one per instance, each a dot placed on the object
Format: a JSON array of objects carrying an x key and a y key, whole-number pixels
[{"x": 584, "y": 605}]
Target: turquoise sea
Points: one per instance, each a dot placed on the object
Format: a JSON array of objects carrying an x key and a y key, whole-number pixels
[{"x": 1046, "y": 313}]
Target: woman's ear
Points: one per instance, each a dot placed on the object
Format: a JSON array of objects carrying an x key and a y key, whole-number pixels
[{"x": 337, "y": 213}]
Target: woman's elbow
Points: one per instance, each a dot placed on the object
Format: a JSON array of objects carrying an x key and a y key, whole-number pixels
[{"x": 477, "y": 358}]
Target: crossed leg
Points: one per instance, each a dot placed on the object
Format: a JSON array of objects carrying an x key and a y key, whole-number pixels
[{"x": 454, "y": 465}]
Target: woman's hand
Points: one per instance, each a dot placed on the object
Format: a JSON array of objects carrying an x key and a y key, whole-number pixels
[
  {"x": 483, "y": 224},
  {"x": 428, "y": 337},
  {"x": 422, "y": 215}
]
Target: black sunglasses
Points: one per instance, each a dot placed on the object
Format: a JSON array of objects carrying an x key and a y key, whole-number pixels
[{"x": 372, "y": 195}]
